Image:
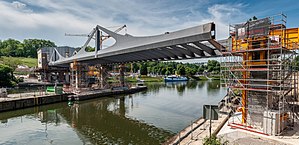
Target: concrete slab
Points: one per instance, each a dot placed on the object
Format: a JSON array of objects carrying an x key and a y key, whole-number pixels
[{"x": 241, "y": 136}]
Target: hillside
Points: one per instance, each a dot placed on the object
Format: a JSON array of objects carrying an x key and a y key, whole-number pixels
[{"x": 14, "y": 61}]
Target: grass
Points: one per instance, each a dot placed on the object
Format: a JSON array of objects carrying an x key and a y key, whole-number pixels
[
  {"x": 30, "y": 62},
  {"x": 146, "y": 79}
]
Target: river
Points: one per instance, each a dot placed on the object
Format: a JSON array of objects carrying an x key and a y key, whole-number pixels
[{"x": 148, "y": 117}]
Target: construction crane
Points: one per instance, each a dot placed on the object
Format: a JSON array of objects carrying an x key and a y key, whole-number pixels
[
  {"x": 84, "y": 35},
  {"x": 103, "y": 37},
  {"x": 116, "y": 31}
]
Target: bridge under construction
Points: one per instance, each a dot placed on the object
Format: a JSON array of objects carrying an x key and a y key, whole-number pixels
[{"x": 256, "y": 67}]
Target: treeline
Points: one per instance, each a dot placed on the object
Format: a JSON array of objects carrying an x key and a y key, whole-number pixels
[
  {"x": 178, "y": 68},
  {"x": 27, "y": 48}
]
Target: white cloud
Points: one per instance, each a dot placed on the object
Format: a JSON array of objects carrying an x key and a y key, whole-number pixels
[
  {"x": 50, "y": 19},
  {"x": 18, "y": 5}
]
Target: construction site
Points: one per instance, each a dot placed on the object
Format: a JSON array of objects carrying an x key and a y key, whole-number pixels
[{"x": 258, "y": 69}]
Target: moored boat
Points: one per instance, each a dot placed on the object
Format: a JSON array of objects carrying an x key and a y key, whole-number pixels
[{"x": 174, "y": 78}]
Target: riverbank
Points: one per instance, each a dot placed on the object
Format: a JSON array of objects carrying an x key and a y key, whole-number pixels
[
  {"x": 161, "y": 79},
  {"x": 25, "y": 100}
]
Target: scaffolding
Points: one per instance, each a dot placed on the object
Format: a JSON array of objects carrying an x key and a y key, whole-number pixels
[
  {"x": 257, "y": 70},
  {"x": 78, "y": 76}
]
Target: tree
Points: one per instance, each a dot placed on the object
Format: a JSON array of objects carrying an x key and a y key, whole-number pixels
[
  {"x": 143, "y": 69},
  {"x": 213, "y": 66},
  {"x": 295, "y": 63},
  {"x": 181, "y": 69},
  {"x": 9, "y": 47},
  {"x": 163, "y": 71},
  {"x": 190, "y": 71},
  {"x": 201, "y": 69},
  {"x": 89, "y": 49},
  {"x": 6, "y": 76},
  {"x": 32, "y": 45},
  {"x": 135, "y": 67}
]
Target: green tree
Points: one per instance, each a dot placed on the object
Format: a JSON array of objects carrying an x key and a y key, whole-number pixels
[
  {"x": 201, "y": 69},
  {"x": 213, "y": 66},
  {"x": 9, "y": 47},
  {"x": 6, "y": 76},
  {"x": 32, "y": 45},
  {"x": 163, "y": 71},
  {"x": 135, "y": 67},
  {"x": 190, "y": 71},
  {"x": 89, "y": 49},
  {"x": 181, "y": 69},
  {"x": 295, "y": 63},
  {"x": 143, "y": 68}
]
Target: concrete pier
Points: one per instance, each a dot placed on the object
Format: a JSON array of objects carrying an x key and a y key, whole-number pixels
[
  {"x": 8, "y": 104},
  {"x": 104, "y": 93}
]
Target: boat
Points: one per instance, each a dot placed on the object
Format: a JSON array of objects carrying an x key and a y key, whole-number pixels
[
  {"x": 174, "y": 78},
  {"x": 140, "y": 82}
]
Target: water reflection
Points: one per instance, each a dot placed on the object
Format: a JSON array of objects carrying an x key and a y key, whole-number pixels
[
  {"x": 104, "y": 122},
  {"x": 100, "y": 121},
  {"x": 148, "y": 117}
]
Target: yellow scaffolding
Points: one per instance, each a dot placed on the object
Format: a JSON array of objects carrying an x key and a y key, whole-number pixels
[{"x": 257, "y": 69}]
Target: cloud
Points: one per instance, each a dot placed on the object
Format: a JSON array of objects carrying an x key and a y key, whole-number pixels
[
  {"x": 18, "y": 5},
  {"x": 50, "y": 19}
]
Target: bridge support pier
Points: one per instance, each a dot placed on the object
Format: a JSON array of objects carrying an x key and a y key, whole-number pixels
[
  {"x": 103, "y": 77},
  {"x": 122, "y": 75}
]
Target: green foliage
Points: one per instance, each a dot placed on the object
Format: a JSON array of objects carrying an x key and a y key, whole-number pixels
[
  {"x": 201, "y": 69},
  {"x": 295, "y": 63},
  {"x": 213, "y": 66},
  {"x": 90, "y": 49},
  {"x": 28, "y": 48},
  {"x": 6, "y": 76},
  {"x": 143, "y": 69},
  {"x": 214, "y": 141},
  {"x": 170, "y": 68},
  {"x": 181, "y": 70}
]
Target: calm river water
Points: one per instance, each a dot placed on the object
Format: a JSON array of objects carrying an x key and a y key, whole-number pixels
[{"x": 148, "y": 117}]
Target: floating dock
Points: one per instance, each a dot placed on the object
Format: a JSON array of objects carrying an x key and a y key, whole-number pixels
[{"x": 104, "y": 93}]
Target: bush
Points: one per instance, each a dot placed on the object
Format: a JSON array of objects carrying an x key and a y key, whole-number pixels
[
  {"x": 214, "y": 141},
  {"x": 6, "y": 76}
]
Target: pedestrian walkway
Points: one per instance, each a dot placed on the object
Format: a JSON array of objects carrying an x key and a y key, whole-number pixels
[{"x": 200, "y": 131}]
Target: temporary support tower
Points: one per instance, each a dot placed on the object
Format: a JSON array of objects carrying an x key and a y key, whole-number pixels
[{"x": 257, "y": 69}]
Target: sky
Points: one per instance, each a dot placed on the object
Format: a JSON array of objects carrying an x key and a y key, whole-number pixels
[{"x": 51, "y": 19}]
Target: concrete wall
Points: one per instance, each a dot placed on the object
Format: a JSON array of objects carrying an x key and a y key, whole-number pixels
[{"x": 30, "y": 102}]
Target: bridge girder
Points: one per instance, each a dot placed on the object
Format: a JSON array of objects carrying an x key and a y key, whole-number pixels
[{"x": 182, "y": 44}]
